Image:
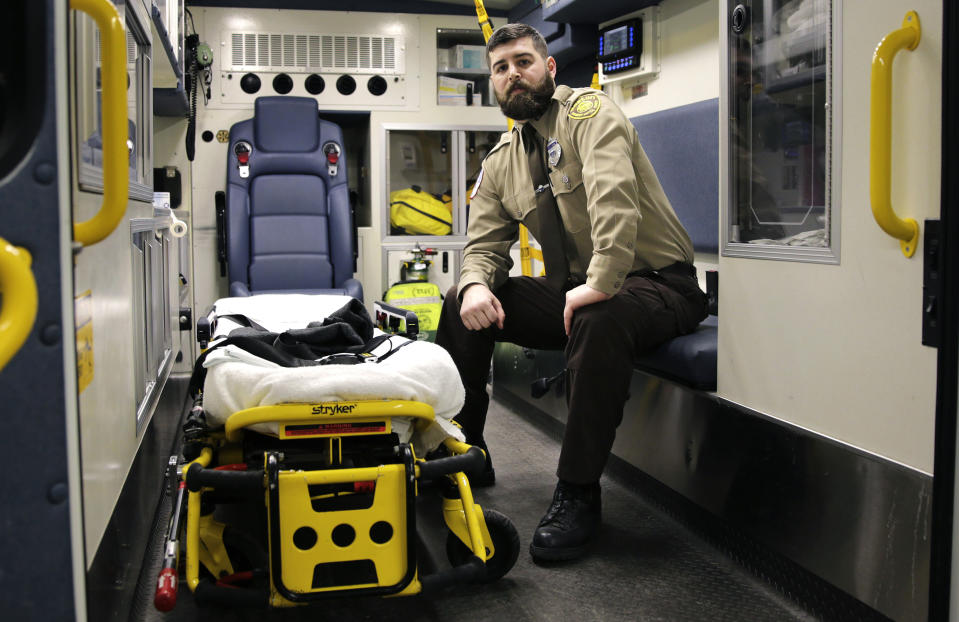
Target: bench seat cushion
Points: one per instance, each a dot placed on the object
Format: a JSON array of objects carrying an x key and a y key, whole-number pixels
[
  {"x": 690, "y": 359},
  {"x": 681, "y": 145}
]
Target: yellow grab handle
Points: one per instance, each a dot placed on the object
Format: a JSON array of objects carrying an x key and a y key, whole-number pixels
[
  {"x": 116, "y": 179},
  {"x": 880, "y": 134},
  {"x": 19, "y": 291}
]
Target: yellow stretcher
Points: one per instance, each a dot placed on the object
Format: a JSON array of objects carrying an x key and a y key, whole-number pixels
[{"x": 331, "y": 501}]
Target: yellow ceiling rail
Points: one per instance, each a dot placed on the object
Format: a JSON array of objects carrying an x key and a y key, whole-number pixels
[
  {"x": 116, "y": 180},
  {"x": 19, "y": 291},
  {"x": 880, "y": 134}
]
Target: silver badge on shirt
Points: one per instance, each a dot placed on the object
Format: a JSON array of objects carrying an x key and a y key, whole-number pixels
[{"x": 553, "y": 151}]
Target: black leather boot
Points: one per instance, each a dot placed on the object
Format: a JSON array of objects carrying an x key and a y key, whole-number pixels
[
  {"x": 569, "y": 524},
  {"x": 488, "y": 476}
]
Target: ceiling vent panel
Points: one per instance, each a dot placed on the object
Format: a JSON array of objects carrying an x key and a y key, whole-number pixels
[
  {"x": 315, "y": 53},
  {"x": 276, "y": 51}
]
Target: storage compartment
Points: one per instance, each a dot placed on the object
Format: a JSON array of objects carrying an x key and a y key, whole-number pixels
[
  {"x": 454, "y": 91},
  {"x": 469, "y": 57},
  {"x": 462, "y": 74}
]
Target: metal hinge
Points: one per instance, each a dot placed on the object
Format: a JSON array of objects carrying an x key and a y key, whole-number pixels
[{"x": 931, "y": 284}]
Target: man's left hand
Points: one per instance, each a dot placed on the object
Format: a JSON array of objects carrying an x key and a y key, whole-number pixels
[{"x": 580, "y": 296}]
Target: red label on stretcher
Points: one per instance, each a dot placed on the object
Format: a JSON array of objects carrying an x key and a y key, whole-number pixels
[{"x": 335, "y": 429}]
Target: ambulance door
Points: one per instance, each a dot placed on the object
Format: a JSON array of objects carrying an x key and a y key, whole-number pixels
[
  {"x": 823, "y": 323},
  {"x": 41, "y": 544}
]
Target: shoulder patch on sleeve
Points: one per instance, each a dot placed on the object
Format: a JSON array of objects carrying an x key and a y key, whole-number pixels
[
  {"x": 476, "y": 184},
  {"x": 585, "y": 107}
]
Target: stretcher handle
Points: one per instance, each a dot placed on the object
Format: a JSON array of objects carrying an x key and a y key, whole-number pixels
[
  {"x": 113, "y": 72},
  {"x": 472, "y": 463},
  {"x": 165, "y": 597},
  {"x": 880, "y": 134},
  {"x": 19, "y": 289},
  {"x": 193, "y": 525},
  {"x": 198, "y": 478},
  {"x": 472, "y": 571},
  {"x": 306, "y": 413}
]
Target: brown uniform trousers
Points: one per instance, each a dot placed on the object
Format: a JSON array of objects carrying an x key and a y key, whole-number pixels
[{"x": 604, "y": 340}]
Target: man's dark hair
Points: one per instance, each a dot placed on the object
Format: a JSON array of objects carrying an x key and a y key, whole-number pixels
[{"x": 511, "y": 32}]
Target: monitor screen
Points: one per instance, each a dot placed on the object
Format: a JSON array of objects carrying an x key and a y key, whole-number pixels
[{"x": 616, "y": 40}]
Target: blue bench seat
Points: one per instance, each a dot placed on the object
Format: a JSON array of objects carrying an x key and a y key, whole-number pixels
[
  {"x": 690, "y": 359},
  {"x": 681, "y": 144}
]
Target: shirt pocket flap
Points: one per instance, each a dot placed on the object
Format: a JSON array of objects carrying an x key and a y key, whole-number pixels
[
  {"x": 519, "y": 205},
  {"x": 565, "y": 180}
]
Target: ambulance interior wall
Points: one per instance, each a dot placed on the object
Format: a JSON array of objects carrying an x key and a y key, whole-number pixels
[{"x": 410, "y": 100}]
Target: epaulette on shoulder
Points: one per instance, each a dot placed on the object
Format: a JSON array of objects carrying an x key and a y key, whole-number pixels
[{"x": 504, "y": 139}]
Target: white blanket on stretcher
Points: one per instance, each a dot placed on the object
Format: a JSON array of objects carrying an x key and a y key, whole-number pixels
[{"x": 420, "y": 371}]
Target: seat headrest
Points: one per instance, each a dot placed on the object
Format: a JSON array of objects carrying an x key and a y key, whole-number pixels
[{"x": 287, "y": 124}]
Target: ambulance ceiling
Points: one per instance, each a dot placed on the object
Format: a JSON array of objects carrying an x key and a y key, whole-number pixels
[{"x": 496, "y": 8}]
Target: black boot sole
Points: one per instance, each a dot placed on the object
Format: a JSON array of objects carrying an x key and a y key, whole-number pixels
[{"x": 549, "y": 554}]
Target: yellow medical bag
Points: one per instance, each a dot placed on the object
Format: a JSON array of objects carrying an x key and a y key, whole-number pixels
[
  {"x": 423, "y": 299},
  {"x": 415, "y": 212}
]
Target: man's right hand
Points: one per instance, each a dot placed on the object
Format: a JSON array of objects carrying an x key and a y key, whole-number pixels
[{"x": 480, "y": 308}]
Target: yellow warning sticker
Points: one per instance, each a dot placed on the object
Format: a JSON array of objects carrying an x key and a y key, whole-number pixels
[
  {"x": 585, "y": 107},
  {"x": 83, "y": 319}
]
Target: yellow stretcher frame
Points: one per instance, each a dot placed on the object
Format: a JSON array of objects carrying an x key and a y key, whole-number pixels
[{"x": 462, "y": 516}]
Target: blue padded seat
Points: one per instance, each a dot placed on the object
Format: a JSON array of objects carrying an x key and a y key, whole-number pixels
[
  {"x": 289, "y": 224},
  {"x": 681, "y": 144},
  {"x": 689, "y": 359}
]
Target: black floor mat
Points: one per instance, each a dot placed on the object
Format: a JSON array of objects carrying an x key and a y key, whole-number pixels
[{"x": 643, "y": 566}]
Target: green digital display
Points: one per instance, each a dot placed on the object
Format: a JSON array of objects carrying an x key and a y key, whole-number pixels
[{"x": 616, "y": 40}]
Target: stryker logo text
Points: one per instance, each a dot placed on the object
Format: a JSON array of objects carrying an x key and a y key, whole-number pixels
[{"x": 333, "y": 409}]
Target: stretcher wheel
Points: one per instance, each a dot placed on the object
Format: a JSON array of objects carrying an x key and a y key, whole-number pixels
[{"x": 505, "y": 541}]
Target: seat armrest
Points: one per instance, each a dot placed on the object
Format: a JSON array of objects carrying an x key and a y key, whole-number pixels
[
  {"x": 353, "y": 288},
  {"x": 239, "y": 289}
]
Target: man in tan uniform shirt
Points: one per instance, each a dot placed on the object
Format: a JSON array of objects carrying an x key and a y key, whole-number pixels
[{"x": 631, "y": 283}]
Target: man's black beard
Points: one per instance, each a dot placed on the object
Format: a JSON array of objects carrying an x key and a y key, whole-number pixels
[{"x": 531, "y": 103}]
